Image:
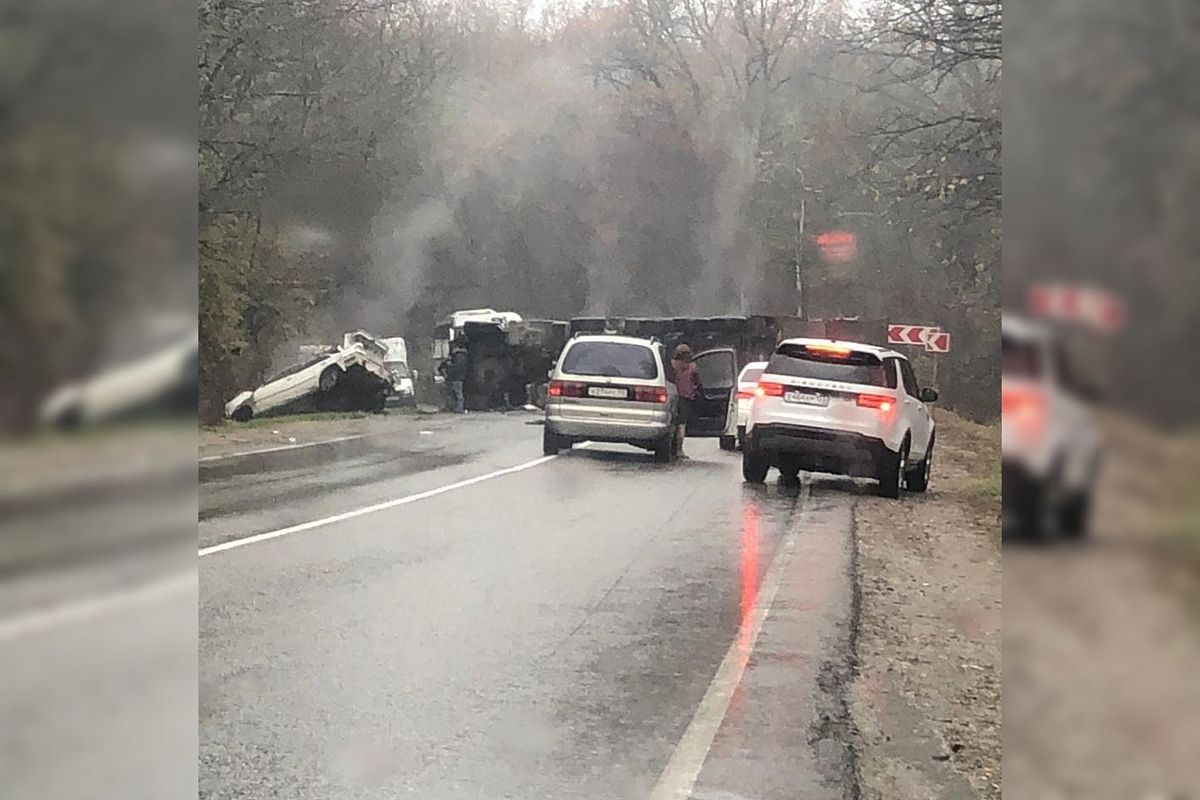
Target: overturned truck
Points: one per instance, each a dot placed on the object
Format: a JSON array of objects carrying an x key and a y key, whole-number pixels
[{"x": 508, "y": 361}]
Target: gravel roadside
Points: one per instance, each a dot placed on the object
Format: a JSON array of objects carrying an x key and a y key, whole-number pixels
[{"x": 926, "y": 699}]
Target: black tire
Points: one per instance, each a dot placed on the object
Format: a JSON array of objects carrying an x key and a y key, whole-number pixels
[
  {"x": 1073, "y": 516},
  {"x": 664, "y": 448},
  {"x": 242, "y": 413},
  {"x": 741, "y": 437},
  {"x": 891, "y": 473},
  {"x": 755, "y": 466},
  {"x": 330, "y": 378},
  {"x": 918, "y": 478},
  {"x": 729, "y": 443},
  {"x": 552, "y": 443},
  {"x": 789, "y": 471}
]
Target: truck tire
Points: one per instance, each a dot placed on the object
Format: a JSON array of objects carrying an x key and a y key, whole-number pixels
[
  {"x": 1073, "y": 516},
  {"x": 728, "y": 443}
]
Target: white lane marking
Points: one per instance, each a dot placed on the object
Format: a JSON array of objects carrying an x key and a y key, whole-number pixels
[
  {"x": 44, "y": 619},
  {"x": 358, "y": 512},
  {"x": 679, "y": 776},
  {"x": 280, "y": 448}
]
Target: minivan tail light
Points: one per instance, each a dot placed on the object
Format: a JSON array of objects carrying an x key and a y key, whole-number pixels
[
  {"x": 880, "y": 401},
  {"x": 650, "y": 394},
  {"x": 745, "y": 394},
  {"x": 566, "y": 389},
  {"x": 769, "y": 390}
]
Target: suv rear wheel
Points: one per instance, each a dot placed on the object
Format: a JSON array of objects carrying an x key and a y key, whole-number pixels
[
  {"x": 754, "y": 466},
  {"x": 891, "y": 474},
  {"x": 918, "y": 478}
]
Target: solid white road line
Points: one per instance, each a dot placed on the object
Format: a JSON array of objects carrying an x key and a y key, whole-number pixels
[
  {"x": 280, "y": 448},
  {"x": 400, "y": 501},
  {"x": 679, "y": 776},
  {"x": 56, "y": 616}
]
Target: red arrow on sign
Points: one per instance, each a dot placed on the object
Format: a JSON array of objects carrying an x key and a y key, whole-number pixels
[
  {"x": 910, "y": 334},
  {"x": 938, "y": 342}
]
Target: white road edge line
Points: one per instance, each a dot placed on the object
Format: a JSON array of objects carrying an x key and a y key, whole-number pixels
[
  {"x": 280, "y": 448},
  {"x": 679, "y": 777},
  {"x": 43, "y": 619},
  {"x": 358, "y": 512}
]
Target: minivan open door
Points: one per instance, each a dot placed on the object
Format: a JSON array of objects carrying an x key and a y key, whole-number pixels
[{"x": 718, "y": 378}]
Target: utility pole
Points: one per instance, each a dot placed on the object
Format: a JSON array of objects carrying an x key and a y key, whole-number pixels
[{"x": 799, "y": 217}]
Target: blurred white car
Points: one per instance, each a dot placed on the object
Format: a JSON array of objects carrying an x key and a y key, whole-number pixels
[
  {"x": 349, "y": 377},
  {"x": 126, "y": 388},
  {"x": 1051, "y": 445},
  {"x": 747, "y": 381}
]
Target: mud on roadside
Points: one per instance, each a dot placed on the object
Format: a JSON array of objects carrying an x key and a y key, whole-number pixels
[{"x": 925, "y": 701}]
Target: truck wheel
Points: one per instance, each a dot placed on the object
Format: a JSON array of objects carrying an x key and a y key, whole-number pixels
[
  {"x": 329, "y": 379},
  {"x": 789, "y": 470},
  {"x": 242, "y": 413},
  {"x": 918, "y": 478},
  {"x": 728, "y": 443},
  {"x": 891, "y": 475},
  {"x": 754, "y": 466}
]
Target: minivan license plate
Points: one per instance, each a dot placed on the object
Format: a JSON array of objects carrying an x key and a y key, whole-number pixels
[
  {"x": 608, "y": 392},
  {"x": 807, "y": 398}
]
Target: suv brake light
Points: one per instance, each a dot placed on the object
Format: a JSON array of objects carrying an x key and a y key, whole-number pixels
[
  {"x": 1025, "y": 408},
  {"x": 836, "y": 350},
  {"x": 566, "y": 389},
  {"x": 745, "y": 394},
  {"x": 769, "y": 390},
  {"x": 880, "y": 401}
]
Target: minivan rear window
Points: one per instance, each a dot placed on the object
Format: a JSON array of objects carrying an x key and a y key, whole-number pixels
[
  {"x": 856, "y": 367},
  {"x": 751, "y": 375},
  {"x": 611, "y": 360}
]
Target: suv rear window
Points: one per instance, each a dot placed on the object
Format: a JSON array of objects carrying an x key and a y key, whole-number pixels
[
  {"x": 611, "y": 360},
  {"x": 856, "y": 367},
  {"x": 1020, "y": 359}
]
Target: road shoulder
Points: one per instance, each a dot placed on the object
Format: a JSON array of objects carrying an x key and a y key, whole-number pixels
[{"x": 925, "y": 702}]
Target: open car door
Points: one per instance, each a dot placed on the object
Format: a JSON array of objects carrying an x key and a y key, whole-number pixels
[{"x": 718, "y": 379}]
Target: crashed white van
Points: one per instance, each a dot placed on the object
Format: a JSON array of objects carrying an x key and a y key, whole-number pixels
[{"x": 352, "y": 376}]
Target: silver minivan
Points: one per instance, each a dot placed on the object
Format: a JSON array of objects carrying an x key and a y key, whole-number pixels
[{"x": 608, "y": 388}]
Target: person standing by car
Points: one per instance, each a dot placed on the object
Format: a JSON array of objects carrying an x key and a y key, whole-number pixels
[
  {"x": 687, "y": 384},
  {"x": 456, "y": 377}
]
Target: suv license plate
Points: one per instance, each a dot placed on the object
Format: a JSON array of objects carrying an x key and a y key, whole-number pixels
[
  {"x": 807, "y": 398},
  {"x": 607, "y": 392}
]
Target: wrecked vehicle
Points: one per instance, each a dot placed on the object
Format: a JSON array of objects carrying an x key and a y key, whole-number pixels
[
  {"x": 162, "y": 380},
  {"x": 351, "y": 377},
  {"x": 403, "y": 378}
]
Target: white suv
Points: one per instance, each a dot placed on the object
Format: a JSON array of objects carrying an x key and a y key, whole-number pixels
[
  {"x": 611, "y": 389},
  {"x": 840, "y": 407},
  {"x": 1052, "y": 448}
]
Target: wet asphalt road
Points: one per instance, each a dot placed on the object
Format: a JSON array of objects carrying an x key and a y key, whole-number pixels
[{"x": 589, "y": 626}]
